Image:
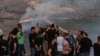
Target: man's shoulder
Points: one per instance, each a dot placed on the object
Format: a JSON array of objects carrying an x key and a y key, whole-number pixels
[
  {"x": 60, "y": 37},
  {"x": 95, "y": 44}
]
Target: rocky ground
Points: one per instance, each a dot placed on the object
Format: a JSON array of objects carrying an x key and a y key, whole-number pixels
[{"x": 10, "y": 13}]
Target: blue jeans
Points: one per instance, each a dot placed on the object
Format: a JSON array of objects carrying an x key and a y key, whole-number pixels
[
  {"x": 84, "y": 54},
  {"x": 20, "y": 49},
  {"x": 32, "y": 51}
]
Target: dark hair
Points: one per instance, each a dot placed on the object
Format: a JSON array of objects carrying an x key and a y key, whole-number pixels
[
  {"x": 65, "y": 34},
  {"x": 12, "y": 32},
  {"x": 85, "y": 33},
  {"x": 52, "y": 25},
  {"x": 1, "y": 37},
  {"x": 53, "y": 39},
  {"x": 81, "y": 32},
  {"x": 98, "y": 37},
  {"x": 32, "y": 28},
  {"x": 19, "y": 26}
]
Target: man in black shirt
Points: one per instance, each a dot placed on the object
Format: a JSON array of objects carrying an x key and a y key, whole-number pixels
[
  {"x": 39, "y": 44},
  {"x": 32, "y": 36},
  {"x": 51, "y": 33},
  {"x": 96, "y": 47},
  {"x": 14, "y": 45},
  {"x": 85, "y": 44},
  {"x": 4, "y": 45}
]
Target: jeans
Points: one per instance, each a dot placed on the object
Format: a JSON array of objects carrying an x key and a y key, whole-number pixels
[
  {"x": 32, "y": 51},
  {"x": 60, "y": 53},
  {"x": 84, "y": 54},
  {"x": 20, "y": 49}
]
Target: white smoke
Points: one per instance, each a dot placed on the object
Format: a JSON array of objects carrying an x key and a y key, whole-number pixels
[
  {"x": 46, "y": 8},
  {"x": 43, "y": 9}
]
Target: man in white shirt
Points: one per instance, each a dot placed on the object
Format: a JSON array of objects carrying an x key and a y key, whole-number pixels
[{"x": 59, "y": 44}]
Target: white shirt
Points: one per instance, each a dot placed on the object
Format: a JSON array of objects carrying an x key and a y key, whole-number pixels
[{"x": 59, "y": 43}]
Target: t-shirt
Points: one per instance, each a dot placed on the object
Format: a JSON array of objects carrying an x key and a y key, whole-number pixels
[
  {"x": 85, "y": 44},
  {"x": 59, "y": 43},
  {"x": 71, "y": 41},
  {"x": 96, "y": 48},
  {"x": 39, "y": 40},
  {"x": 21, "y": 38},
  {"x": 51, "y": 33},
  {"x": 12, "y": 44},
  {"x": 78, "y": 38},
  {"x": 65, "y": 44},
  {"x": 31, "y": 38},
  {"x": 5, "y": 44}
]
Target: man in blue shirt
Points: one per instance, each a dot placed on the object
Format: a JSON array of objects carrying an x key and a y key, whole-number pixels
[{"x": 71, "y": 42}]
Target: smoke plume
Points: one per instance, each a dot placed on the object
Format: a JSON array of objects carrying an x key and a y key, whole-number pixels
[{"x": 68, "y": 9}]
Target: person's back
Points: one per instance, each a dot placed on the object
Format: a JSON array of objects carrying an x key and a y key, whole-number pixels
[
  {"x": 85, "y": 45},
  {"x": 96, "y": 47},
  {"x": 59, "y": 44}
]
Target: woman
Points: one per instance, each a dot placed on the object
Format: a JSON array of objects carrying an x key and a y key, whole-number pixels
[
  {"x": 52, "y": 49},
  {"x": 66, "y": 48}
]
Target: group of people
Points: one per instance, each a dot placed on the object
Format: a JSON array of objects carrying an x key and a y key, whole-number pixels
[
  {"x": 14, "y": 45},
  {"x": 48, "y": 41}
]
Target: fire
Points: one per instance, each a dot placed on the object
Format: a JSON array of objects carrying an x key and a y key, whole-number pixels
[{"x": 26, "y": 20}]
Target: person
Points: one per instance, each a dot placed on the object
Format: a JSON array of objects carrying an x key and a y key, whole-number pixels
[
  {"x": 20, "y": 36},
  {"x": 79, "y": 37},
  {"x": 4, "y": 45},
  {"x": 45, "y": 44},
  {"x": 96, "y": 47},
  {"x": 15, "y": 30},
  {"x": 66, "y": 46},
  {"x": 32, "y": 37},
  {"x": 51, "y": 33},
  {"x": 59, "y": 44},
  {"x": 39, "y": 44},
  {"x": 14, "y": 45},
  {"x": 71, "y": 41},
  {"x": 51, "y": 49},
  {"x": 85, "y": 44}
]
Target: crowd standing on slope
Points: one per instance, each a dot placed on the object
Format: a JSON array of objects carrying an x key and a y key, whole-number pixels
[{"x": 47, "y": 41}]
